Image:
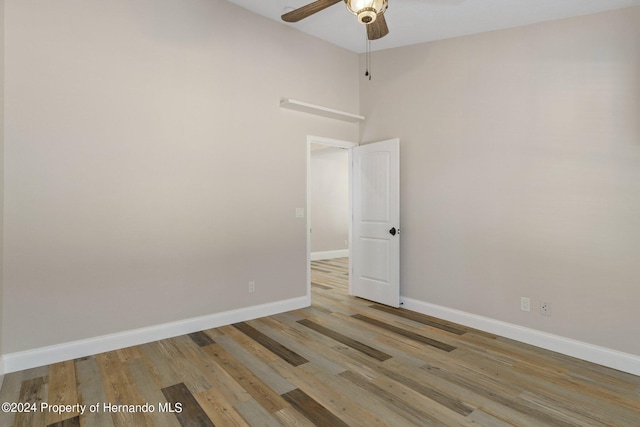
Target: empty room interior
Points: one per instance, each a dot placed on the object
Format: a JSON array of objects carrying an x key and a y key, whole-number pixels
[{"x": 177, "y": 214}]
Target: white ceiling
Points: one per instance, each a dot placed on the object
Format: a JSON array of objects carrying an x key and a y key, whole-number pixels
[{"x": 418, "y": 21}]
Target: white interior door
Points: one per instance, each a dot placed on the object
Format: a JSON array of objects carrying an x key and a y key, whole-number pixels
[{"x": 375, "y": 241}]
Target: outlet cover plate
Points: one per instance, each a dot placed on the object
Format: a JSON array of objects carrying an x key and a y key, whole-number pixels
[{"x": 545, "y": 308}]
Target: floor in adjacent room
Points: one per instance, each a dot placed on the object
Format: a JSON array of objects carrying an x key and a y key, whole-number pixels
[{"x": 343, "y": 361}]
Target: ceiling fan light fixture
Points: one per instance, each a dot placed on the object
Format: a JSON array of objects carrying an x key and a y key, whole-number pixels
[{"x": 366, "y": 10}]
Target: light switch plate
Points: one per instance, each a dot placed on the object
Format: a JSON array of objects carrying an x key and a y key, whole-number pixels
[{"x": 299, "y": 212}]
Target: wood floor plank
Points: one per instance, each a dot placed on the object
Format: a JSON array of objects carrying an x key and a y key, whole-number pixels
[
  {"x": 218, "y": 375},
  {"x": 250, "y": 344},
  {"x": 561, "y": 376},
  {"x": 438, "y": 374},
  {"x": 184, "y": 356},
  {"x": 405, "y": 333},
  {"x": 10, "y": 392},
  {"x": 315, "y": 412},
  {"x": 291, "y": 417},
  {"x": 318, "y": 285},
  {"x": 119, "y": 390},
  {"x": 32, "y": 391},
  {"x": 496, "y": 392},
  {"x": 201, "y": 338},
  {"x": 356, "y": 345},
  {"x": 90, "y": 391},
  {"x": 404, "y": 323},
  {"x": 424, "y": 388},
  {"x": 290, "y": 335},
  {"x": 219, "y": 410},
  {"x": 420, "y": 318},
  {"x": 62, "y": 390},
  {"x": 188, "y": 411},
  {"x": 578, "y": 400},
  {"x": 260, "y": 391},
  {"x": 260, "y": 369},
  {"x": 144, "y": 383},
  {"x": 416, "y": 415},
  {"x": 199, "y": 362},
  {"x": 374, "y": 337},
  {"x": 568, "y": 411},
  {"x": 373, "y": 403},
  {"x": 550, "y": 373},
  {"x": 213, "y": 333},
  {"x": 159, "y": 364},
  {"x": 69, "y": 422},
  {"x": 482, "y": 418},
  {"x": 424, "y": 404},
  {"x": 413, "y": 330},
  {"x": 312, "y": 381},
  {"x": 321, "y": 270},
  {"x": 256, "y": 415},
  {"x": 40, "y": 371},
  {"x": 272, "y": 345},
  {"x": 128, "y": 353}
]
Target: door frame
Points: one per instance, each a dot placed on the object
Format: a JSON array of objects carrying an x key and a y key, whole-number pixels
[{"x": 348, "y": 145}]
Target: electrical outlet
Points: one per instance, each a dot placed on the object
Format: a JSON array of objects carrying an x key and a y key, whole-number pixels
[
  {"x": 525, "y": 304},
  {"x": 545, "y": 308},
  {"x": 252, "y": 287}
]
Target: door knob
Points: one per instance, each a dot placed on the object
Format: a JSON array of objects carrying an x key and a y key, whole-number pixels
[{"x": 392, "y": 231}]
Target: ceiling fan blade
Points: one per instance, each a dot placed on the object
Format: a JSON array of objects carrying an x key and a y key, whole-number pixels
[
  {"x": 308, "y": 10},
  {"x": 378, "y": 28}
]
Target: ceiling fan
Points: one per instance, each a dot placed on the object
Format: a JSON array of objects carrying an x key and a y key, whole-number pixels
[{"x": 369, "y": 12}]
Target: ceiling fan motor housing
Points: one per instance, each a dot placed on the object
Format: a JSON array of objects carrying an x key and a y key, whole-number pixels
[{"x": 366, "y": 10}]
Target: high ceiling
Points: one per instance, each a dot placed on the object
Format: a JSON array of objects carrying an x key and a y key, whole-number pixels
[{"x": 418, "y": 21}]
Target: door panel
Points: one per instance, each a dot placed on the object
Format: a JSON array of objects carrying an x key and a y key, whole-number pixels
[{"x": 375, "y": 251}]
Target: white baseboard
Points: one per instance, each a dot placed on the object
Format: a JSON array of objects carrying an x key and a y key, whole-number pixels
[
  {"x": 340, "y": 253},
  {"x": 58, "y": 353},
  {"x": 601, "y": 355}
]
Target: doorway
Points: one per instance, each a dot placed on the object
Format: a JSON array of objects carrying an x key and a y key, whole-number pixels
[{"x": 332, "y": 224}]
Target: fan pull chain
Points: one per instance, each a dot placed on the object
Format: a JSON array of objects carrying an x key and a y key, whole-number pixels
[{"x": 368, "y": 58}]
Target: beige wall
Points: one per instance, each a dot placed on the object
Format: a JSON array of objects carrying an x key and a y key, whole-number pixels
[
  {"x": 520, "y": 172},
  {"x": 329, "y": 199},
  {"x": 150, "y": 173}
]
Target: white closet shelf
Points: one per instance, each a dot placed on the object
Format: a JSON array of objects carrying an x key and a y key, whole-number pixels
[{"x": 292, "y": 104}]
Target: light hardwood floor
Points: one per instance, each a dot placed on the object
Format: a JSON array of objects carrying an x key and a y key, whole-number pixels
[{"x": 342, "y": 362}]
